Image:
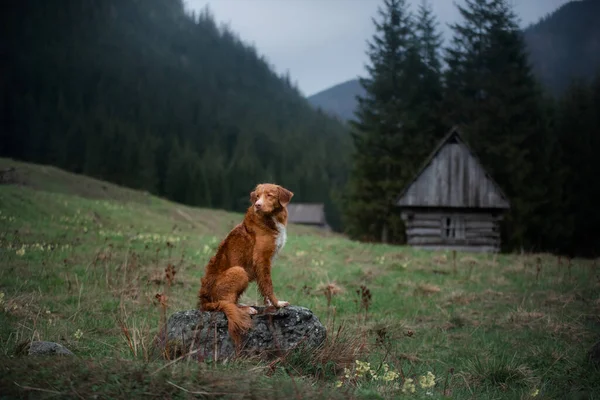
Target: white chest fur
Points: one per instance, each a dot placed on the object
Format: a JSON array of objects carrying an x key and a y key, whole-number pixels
[{"x": 280, "y": 238}]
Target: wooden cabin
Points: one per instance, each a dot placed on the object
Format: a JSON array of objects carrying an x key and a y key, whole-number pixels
[
  {"x": 452, "y": 202},
  {"x": 312, "y": 214}
]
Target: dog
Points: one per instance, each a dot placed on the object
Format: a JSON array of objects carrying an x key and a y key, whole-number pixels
[{"x": 246, "y": 255}]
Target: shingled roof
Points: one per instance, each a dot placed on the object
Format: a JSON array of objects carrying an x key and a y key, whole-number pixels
[
  {"x": 452, "y": 176},
  {"x": 306, "y": 213}
]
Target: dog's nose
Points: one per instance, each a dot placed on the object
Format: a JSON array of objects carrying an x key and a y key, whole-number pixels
[{"x": 258, "y": 206}]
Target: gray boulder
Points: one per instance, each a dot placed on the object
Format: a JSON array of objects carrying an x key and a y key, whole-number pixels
[
  {"x": 274, "y": 331},
  {"x": 43, "y": 348}
]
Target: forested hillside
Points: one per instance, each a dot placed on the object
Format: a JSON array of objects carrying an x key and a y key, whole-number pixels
[
  {"x": 142, "y": 94},
  {"x": 565, "y": 45}
]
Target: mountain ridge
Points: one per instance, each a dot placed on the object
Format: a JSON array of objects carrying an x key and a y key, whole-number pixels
[{"x": 338, "y": 100}]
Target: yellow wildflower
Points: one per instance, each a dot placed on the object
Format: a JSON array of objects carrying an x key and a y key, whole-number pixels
[
  {"x": 21, "y": 251},
  {"x": 347, "y": 373},
  {"x": 408, "y": 386},
  {"x": 338, "y": 384},
  {"x": 535, "y": 392},
  {"x": 78, "y": 334},
  {"x": 362, "y": 367},
  {"x": 389, "y": 376},
  {"x": 427, "y": 381}
]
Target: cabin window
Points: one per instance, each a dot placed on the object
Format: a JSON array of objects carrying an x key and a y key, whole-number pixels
[{"x": 453, "y": 227}]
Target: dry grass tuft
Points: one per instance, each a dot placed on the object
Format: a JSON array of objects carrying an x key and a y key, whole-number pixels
[
  {"x": 156, "y": 277},
  {"x": 371, "y": 273},
  {"x": 411, "y": 357},
  {"x": 570, "y": 330},
  {"x": 331, "y": 287},
  {"x": 525, "y": 317},
  {"x": 494, "y": 294},
  {"x": 493, "y": 261},
  {"x": 342, "y": 347},
  {"x": 23, "y": 306},
  {"x": 499, "y": 281},
  {"x": 387, "y": 330},
  {"x": 329, "y": 290},
  {"x": 561, "y": 299},
  {"x": 427, "y": 289},
  {"x": 469, "y": 260},
  {"x": 459, "y": 298},
  {"x": 398, "y": 256},
  {"x": 501, "y": 371},
  {"x": 440, "y": 259},
  {"x": 137, "y": 336}
]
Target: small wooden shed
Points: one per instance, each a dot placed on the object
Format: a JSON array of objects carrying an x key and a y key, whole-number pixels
[
  {"x": 312, "y": 214},
  {"x": 452, "y": 202}
]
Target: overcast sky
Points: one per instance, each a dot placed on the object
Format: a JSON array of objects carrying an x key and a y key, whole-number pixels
[{"x": 323, "y": 42}]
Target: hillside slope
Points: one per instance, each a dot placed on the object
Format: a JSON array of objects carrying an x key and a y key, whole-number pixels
[
  {"x": 563, "y": 46},
  {"x": 141, "y": 94},
  {"x": 35, "y": 179}
]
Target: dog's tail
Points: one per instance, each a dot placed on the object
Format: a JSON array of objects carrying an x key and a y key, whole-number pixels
[{"x": 238, "y": 321}]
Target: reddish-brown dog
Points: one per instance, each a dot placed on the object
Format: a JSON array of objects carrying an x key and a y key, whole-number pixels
[{"x": 246, "y": 255}]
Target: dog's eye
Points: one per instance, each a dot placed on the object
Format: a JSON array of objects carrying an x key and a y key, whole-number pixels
[{"x": 270, "y": 196}]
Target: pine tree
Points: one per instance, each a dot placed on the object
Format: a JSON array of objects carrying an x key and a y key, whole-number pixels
[
  {"x": 427, "y": 107},
  {"x": 491, "y": 92},
  {"x": 148, "y": 176},
  {"x": 547, "y": 228},
  {"x": 379, "y": 132},
  {"x": 577, "y": 127},
  {"x": 593, "y": 129}
]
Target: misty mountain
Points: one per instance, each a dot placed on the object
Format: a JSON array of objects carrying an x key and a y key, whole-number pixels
[
  {"x": 339, "y": 100},
  {"x": 563, "y": 46}
]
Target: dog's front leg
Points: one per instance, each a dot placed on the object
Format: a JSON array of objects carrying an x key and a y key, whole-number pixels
[{"x": 264, "y": 282}]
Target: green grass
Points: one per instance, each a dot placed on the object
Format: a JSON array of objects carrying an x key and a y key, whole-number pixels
[{"x": 81, "y": 260}]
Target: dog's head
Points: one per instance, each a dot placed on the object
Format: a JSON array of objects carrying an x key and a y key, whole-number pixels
[{"x": 268, "y": 198}]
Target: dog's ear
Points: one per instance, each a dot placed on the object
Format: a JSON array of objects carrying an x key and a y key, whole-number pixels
[
  {"x": 254, "y": 193},
  {"x": 285, "y": 196}
]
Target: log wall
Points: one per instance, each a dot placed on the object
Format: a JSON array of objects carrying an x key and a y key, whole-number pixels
[{"x": 459, "y": 230}]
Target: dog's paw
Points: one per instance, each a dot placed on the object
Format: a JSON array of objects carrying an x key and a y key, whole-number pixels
[
  {"x": 251, "y": 311},
  {"x": 282, "y": 303},
  {"x": 248, "y": 309}
]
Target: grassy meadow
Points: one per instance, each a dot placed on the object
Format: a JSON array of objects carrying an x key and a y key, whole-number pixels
[{"x": 82, "y": 262}]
